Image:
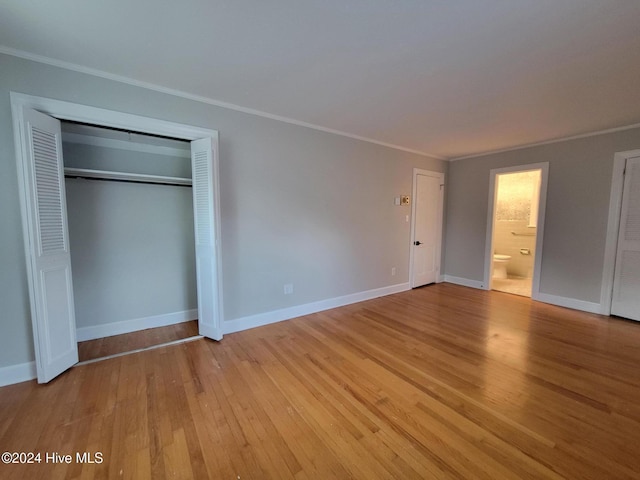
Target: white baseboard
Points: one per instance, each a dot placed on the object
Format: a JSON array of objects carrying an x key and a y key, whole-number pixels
[
  {"x": 22, "y": 372},
  {"x": 541, "y": 297},
  {"x": 465, "y": 282},
  {"x": 27, "y": 371},
  {"x": 260, "y": 319},
  {"x": 567, "y": 302},
  {"x": 128, "y": 326}
]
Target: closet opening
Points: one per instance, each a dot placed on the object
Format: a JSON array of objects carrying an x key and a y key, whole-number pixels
[
  {"x": 131, "y": 234},
  {"x": 37, "y": 128}
]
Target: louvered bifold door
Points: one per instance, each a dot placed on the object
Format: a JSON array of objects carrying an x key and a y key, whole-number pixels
[
  {"x": 50, "y": 260},
  {"x": 203, "y": 158},
  {"x": 626, "y": 284}
]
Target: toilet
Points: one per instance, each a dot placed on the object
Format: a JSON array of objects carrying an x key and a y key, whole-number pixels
[{"x": 500, "y": 265}]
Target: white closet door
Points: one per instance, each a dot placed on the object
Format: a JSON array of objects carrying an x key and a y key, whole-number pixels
[
  {"x": 52, "y": 313},
  {"x": 203, "y": 163},
  {"x": 626, "y": 283}
]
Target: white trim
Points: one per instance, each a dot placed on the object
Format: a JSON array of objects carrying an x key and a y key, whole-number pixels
[
  {"x": 109, "y": 118},
  {"x": 68, "y": 137},
  {"x": 567, "y": 302},
  {"x": 21, "y": 372},
  {"x": 613, "y": 227},
  {"x": 261, "y": 319},
  {"x": 465, "y": 282},
  {"x": 488, "y": 241},
  {"x": 136, "y": 324},
  {"x": 231, "y": 106},
  {"x": 197, "y": 98},
  {"x": 542, "y": 206},
  {"x": 549, "y": 142},
  {"x": 414, "y": 189}
]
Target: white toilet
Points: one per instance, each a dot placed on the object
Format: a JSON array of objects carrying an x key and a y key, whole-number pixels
[{"x": 500, "y": 265}]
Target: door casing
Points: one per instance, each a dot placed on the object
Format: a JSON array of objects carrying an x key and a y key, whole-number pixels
[
  {"x": 108, "y": 118},
  {"x": 542, "y": 203}
]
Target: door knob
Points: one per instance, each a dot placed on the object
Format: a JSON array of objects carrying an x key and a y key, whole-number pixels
[{"x": 417, "y": 242}]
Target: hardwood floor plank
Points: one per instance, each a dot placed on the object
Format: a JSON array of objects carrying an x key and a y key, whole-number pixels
[
  {"x": 333, "y": 428},
  {"x": 438, "y": 382},
  {"x": 128, "y": 342},
  {"x": 392, "y": 413}
]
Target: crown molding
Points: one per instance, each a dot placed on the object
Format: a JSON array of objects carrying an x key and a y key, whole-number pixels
[
  {"x": 197, "y": 98},
  {"x": 549, "y": 142}
]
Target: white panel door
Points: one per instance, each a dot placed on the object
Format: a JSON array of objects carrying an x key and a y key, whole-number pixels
[
  {"x": 626, "y": 282},
  {"x": 49, "y": 258},
  {"x": 203, "y": 158},
  {"x": 427, "y": 230}
]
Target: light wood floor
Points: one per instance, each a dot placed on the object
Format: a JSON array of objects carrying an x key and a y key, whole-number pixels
[
  {"x": 104, "y": 347},
  {"x": 439, "y": 382}
]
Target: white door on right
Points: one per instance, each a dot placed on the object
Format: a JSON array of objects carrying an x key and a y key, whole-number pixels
[
  {"x": 427, "y": 230},
  {"x": 626, "y": 282},
  {"x": 204, "y": 153}
]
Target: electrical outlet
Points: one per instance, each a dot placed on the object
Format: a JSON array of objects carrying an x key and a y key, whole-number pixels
[
  {"x": 393, "y": 271},
  {"x": 288, "y": 288}
]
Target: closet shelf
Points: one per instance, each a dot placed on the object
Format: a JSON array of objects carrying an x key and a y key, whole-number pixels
[{"x": 125, "y": 177}]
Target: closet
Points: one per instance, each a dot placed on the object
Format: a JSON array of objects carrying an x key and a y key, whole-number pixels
[
  {"x": 131, "y": 232},
  {"x": 37, "y": 126}
]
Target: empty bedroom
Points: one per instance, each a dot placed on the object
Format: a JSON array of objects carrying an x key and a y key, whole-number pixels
[{"x": 311, "y": 240}]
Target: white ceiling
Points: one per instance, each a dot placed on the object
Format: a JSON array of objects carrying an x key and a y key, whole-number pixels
[{"x": 445, "y": 78}]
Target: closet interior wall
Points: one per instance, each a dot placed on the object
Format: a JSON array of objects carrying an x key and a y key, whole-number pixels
[{"x": 132, "y": 243}]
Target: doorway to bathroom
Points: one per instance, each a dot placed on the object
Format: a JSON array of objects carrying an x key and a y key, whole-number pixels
[{"x": 514, "y": 229}]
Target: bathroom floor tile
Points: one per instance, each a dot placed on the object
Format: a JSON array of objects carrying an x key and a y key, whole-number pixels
[{"x": 516, "y": 285}]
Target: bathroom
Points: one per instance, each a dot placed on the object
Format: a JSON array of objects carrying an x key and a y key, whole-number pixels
[{"x": 514, "y": 231}]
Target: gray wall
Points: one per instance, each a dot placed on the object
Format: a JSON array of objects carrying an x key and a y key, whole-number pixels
[
  {"x": 298, "y": 205},
  {"x": 132, "y": 245},
  {"x": 576, "y": 217},
  {"x": 78, "y": 155}
]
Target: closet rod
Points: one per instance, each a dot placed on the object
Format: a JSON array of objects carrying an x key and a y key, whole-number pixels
[{"x": 126, "y": 177}]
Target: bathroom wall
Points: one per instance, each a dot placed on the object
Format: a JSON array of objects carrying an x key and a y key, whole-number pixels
[
  {"x": 514, "y": 232},
  {"x": 506, "y": 243}
]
